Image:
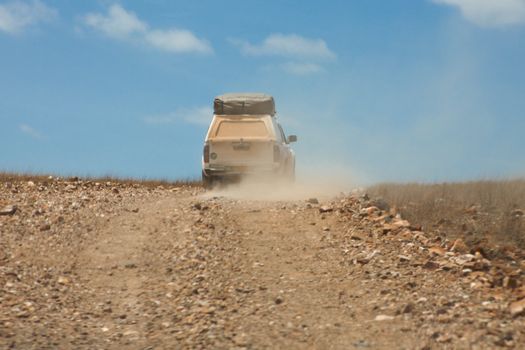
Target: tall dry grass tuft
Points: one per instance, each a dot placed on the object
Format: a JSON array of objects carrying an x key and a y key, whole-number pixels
[{"x": 477, "y": 211}]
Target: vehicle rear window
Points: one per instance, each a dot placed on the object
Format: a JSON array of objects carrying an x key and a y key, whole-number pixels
[{"x": 241, "y": 129}]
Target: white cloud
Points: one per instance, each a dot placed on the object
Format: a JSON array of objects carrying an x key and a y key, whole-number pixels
[
  {"x": 118, "y": 23},
  {"x": 17, "y": 16},
  {"x": 287, "y": 45},
  {"x": 121, "y": 24},
  {"x": 26, "y": 129},
  {"x": 490, "y": 13},
  {"x": 302, "y": 50},
  {"x": 300, "y": 68},
  {"x": 177, "y": 40},
  {"x": 199, "y": 116}
]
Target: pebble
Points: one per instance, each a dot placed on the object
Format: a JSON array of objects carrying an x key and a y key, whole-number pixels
[
  {"x": 383, "y": 318},
  {"x": 325, "y": 209},
  {"x": 517, "y": 308},
  {"x": 8, "y": 210},
  {"x": 63, "y": 280}
]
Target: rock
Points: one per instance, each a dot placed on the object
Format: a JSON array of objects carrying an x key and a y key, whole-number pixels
[
  {"x": 361, "y": 344},
  {"x": 240, "y": 339},
  {"x": 8, "y": 210},
  {"x": 356, "y": 237},
  {"x": 383, "y": 318},
  {"x": 197, "y": 206},
  {"x": 38, "y": 212},
  {"x": 478, "y": 265},
  {"x": 63, "y": 280},
  {"x": 395, "y": 225},
  {"x": 400, "y": 224},
  {"x": 414, "y": 227},
  {"x": 279, "y": 300},
  {"x": 459, "y": 246},
  {"x": 403, "y": 258},
  {"x": 407, "y": 308},
  {"x": 387, "y": 218},
  {"x": 463, "y": 259},
  {"x": 380, "y": 203},
  {"x": 517, "y": 213},
  {"x": 446, "y": 265},
  {"x": 510, "y": 282},
  {"x": 430, "y": 265},
  {"x": 444, "y": 338},
  {"x": 368, "y": 211},
  {"x": 130, "y": 333},
  {"x": 45, "y": 227},
  {"x": 420, "y": 236},
  {"x": 313, "y": 201},
  {"x": 517, "y": 308},
  {"x": 130, "y": 265},
  {"x": 325, "y": 209},
  {"x": 361, "y": 260},
  {"x": 387, "y": 228},
  {"x": 70, "y": 188},
  {"x": 436, "y": 251},
  {"x": 520, "y": 292}
]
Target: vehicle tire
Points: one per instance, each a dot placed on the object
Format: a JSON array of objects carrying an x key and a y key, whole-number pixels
[{"x": 207, "y": 181}]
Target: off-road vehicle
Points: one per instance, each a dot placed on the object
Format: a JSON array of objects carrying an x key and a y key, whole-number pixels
[{"x": 245, "y": 138}]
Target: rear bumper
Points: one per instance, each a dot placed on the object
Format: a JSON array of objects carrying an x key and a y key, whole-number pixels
[{"x": 236, "y": 170}]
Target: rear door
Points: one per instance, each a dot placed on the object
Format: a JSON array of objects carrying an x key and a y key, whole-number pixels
[{"x": 241, "y": 142}]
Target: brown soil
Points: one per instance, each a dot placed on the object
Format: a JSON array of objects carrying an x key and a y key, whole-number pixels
[{"x": 116, "y": 266}]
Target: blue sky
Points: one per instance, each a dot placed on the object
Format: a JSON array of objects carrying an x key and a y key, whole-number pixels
[{"x": 398, "y": 90}]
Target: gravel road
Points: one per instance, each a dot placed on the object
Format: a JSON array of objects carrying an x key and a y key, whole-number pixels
[{"x": 123, "y": 266}]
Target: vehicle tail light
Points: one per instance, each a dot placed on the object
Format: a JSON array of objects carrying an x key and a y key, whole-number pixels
[
  {"x": 276, "y": 153},
  {"x": 206, "y": 153}
]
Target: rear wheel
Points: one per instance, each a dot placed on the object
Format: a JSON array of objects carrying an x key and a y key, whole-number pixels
[{"x": 207, "y": 181}]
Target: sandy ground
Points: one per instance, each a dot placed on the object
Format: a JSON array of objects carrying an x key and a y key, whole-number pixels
[{"x": 109, "y": 266}]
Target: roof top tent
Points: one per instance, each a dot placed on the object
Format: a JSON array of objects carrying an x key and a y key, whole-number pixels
[{"x": 244, "y": 104}]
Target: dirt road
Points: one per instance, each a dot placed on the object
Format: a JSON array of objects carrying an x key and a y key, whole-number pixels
[{"x": 122, "y": 266}]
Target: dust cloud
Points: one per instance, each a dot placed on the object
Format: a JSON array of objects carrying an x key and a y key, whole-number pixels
[{"x": 333, "y": 182}]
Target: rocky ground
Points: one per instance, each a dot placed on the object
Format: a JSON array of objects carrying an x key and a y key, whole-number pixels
[{"x": 112, "y": 265}]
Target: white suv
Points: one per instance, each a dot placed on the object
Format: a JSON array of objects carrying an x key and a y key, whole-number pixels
[{"x": 245, "y": 138}]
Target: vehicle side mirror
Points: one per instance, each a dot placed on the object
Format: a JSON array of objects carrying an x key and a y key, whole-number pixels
[{"x": 292, "y": 138}]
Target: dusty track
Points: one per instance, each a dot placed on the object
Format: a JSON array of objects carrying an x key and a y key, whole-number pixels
[{"x": 179, "y": 268}]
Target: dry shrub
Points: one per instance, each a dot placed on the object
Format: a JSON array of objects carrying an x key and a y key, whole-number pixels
[{"x": 477, "y": 211}]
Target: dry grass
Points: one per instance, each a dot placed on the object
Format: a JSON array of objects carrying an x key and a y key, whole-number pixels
[
  {"x": 38, "y": 178},
  {"x": 479, "y": 212}
]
